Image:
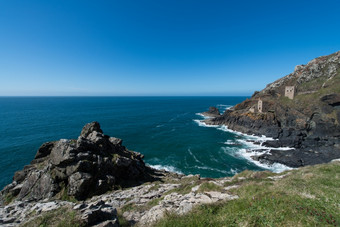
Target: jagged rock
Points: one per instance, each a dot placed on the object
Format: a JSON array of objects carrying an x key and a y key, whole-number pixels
[
  {"x": 89, "y": 128},
  {"x": 99, "y": 214},
  {"x": 79, "y": 183},
  {"x": 90, "y": 165}
]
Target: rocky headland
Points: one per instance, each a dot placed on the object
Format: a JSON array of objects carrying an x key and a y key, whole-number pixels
[
  {"x": 87, "y": 180},
  {"x": 300, "y": 111}
]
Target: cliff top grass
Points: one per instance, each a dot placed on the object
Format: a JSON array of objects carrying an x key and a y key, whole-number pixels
[
  {"x": 62, "y": 217},
  {"x": 308, "y": 196}
]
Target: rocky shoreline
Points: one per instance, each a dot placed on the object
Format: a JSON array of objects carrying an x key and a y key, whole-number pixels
[
  {"x": 94, "y": 178},
  {"x": 300, "y": 111}
]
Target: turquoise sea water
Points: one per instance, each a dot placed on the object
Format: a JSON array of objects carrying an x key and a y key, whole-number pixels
[{"x": 165, "y": 129}]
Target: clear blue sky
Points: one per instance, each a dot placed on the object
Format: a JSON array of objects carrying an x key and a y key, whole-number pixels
[{"x": 168, "y": 47}]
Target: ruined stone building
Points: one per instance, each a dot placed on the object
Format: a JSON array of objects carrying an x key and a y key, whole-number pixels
[
  {"x": 259, "y": 106},
  {"x": 289, "y": 92}
]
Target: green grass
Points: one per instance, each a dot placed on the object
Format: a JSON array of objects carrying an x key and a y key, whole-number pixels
[
  {"x": 9, "y": 197},
  {"x": 209, "y": 186},
  {"x": 155, "y": 202},
  {"x": 122, "y": 221},
  {"x": 308, "y": 196},
  {"x": 155, "y": 186},
  {"x": 63, "y": 217},
  {"x": 62, "y": 195},
  {"x": 312, "y": 85},
  {"x": 186, "y": 184},
  {"x": 129, "y": 207}
]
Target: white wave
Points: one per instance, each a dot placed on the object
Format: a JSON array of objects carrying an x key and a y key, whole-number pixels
[
  {"x": 246, "y": 154},
  {"x": 211, "y": 169},
  {"x": 202, "y": 115},
  {"x": 251, "y": 149},
  {"x": 253, "y": 145},
  {"x": 166, "y": 168},
  {"x": 158, "y": 126},
  {"x": 234, "y": 171},
  {"x": 225, "y": 107},
  {"x": 202, "y": 124},
  {"x": 230, "y": 142},
  {"x": 198, "y": 161},
  {"x": 258, "y": 138}
]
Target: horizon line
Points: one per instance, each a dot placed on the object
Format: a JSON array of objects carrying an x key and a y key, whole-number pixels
[{"x": 80, "y": 96}]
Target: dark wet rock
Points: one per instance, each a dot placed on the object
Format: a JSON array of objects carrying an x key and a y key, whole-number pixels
[
  {"x": 331, "y": 99},
  {"x": 44, "y": 150},
  {"x": 90, "y": 165},
  {"x": 212, "y": 112}
]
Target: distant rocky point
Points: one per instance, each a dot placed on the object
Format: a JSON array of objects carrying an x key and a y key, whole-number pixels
[
  {"x": 300, "y": 110},
  {"x": 212, "y": 112}
]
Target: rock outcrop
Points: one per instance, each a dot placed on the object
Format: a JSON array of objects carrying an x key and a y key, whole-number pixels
[
  {"x": 307, "y": 120},
  {"x": 88, "y": 181},
  {"x": 212, "y": 112},
  {"x": 141, "y": 205},
  {"x": 90, "y": 165}
]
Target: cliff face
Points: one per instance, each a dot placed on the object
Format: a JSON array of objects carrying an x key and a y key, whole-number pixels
[{"x": 301, "y": 110}]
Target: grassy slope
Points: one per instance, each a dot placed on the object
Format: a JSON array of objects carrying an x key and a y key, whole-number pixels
[{"x": 309, "y": 196}]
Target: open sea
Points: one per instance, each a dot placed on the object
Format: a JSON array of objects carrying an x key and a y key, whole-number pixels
[{"x": 167, "y": 130}]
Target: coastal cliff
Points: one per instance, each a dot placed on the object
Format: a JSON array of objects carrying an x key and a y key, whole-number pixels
[{"x": 300, "y": 110}]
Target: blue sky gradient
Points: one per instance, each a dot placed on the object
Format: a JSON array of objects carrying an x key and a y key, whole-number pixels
[{"x": 156, "y": 47}]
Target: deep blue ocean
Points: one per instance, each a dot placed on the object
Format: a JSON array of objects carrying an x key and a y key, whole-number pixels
[{"x": 165, "y": 129}]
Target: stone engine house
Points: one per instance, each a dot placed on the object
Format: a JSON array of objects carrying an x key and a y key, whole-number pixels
[{"x": 289, "y": 92}]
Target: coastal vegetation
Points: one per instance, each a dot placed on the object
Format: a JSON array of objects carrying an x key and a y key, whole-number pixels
[{"x": 308, "y": 196}]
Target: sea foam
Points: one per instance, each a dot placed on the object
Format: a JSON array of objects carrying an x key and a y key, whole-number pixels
[
  {"x": 253, "y": 146},
  {"x": 167, "y": 168}
]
